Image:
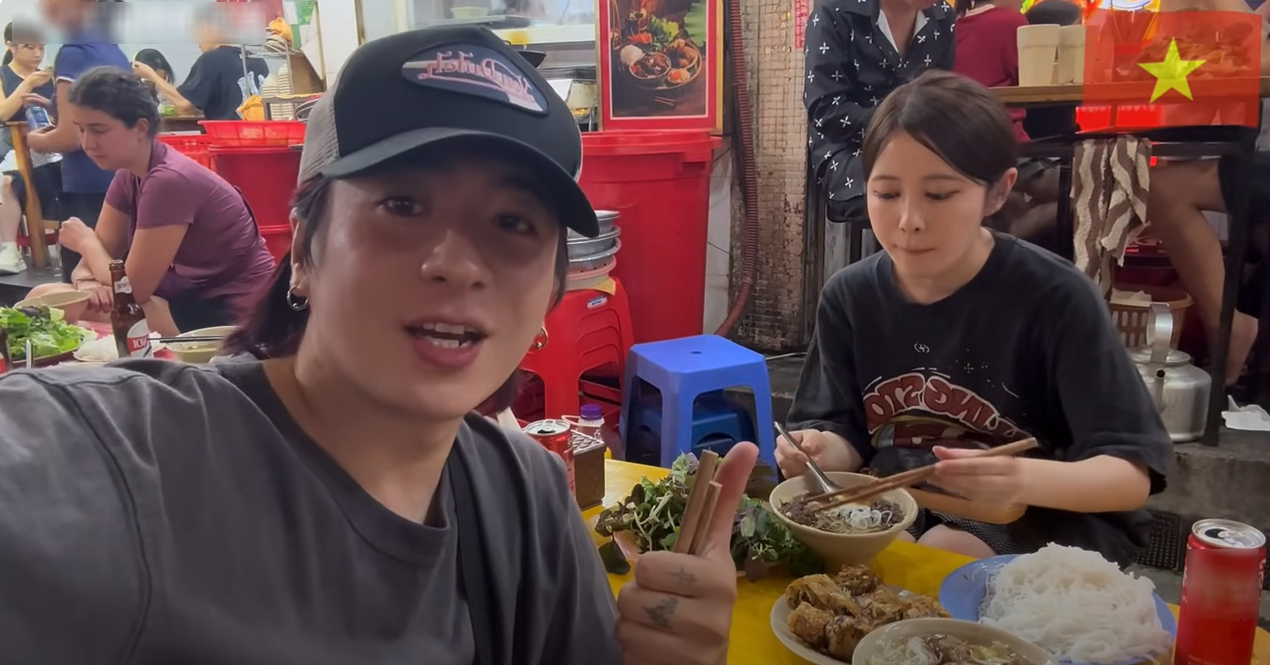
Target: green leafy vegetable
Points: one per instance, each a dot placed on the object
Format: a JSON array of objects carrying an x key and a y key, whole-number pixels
[
  {"x": 695, "y": 23},
  {"x": 653, "y": 511},
  {"x": 663, "y": 32},
  {"x": 48, "y": 337}
]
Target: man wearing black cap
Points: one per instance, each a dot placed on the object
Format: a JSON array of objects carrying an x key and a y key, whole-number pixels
[{"x": 331, "y": 498}]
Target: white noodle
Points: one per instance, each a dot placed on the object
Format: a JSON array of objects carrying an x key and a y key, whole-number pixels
[
  {"x": 861, "y": 517},
  {"x": 912, "y": 651},
  {"x": 1076, "y": 605}
]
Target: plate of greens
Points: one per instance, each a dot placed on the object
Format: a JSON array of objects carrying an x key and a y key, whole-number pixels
[
  {"x": 648, "y": 520},
  {"x": 52, "y": 340}
]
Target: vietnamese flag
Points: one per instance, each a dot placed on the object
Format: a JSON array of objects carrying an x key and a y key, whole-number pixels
[{"x": 1198, "y": 67}]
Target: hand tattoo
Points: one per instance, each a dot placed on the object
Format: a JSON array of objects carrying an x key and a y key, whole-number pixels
[
  {"x": 685, "y": 578},
  {"x": 660, "y": 613}
]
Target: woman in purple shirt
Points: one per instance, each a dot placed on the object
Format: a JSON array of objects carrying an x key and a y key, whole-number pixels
[{"x": 189, "y": 240}]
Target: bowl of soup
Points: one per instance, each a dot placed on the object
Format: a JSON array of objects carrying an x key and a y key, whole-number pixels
[
  {"x": 200, "y": 352},
  {"x": 844, "y": 535}
]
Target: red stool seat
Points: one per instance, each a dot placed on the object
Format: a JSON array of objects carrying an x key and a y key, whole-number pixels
[{"x": 589, "y": 329}]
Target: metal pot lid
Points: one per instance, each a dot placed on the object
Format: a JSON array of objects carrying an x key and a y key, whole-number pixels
[
  {"x": 1142, "y": 356},
  {"x": 607, "y": 215}
]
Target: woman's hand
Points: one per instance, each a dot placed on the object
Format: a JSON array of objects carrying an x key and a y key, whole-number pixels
[
  {"x": 999, "y": 480},
  {"x": 37, "y": 100},
  {"x": 36, "y": 79},
  {"x": 828, "y": 451},
  {"x": 100, "y": 298},
  {"x": 678, "y": 609},
  {"x": 74, "y": 235}
]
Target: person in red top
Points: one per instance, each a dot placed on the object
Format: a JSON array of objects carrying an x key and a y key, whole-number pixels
[{"x": 987, "y": 47}]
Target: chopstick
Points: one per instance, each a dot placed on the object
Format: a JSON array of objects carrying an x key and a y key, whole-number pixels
[
  {"x": 911, "y": 477},
  {"x": 702, "y": 499},
  {"x": 189, "y": 340}
]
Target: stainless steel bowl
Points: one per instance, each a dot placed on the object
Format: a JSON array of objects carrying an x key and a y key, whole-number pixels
[
  {"x": 586, "y": 248},
  {"x": 608, "y": 221},
  {"x": 596, "y": 261}
]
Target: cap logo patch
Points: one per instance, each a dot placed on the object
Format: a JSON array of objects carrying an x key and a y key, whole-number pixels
[{"x": 475, "y": 70}]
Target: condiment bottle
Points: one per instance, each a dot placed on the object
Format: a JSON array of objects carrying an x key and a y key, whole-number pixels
[{"x": 591, "y": 422}]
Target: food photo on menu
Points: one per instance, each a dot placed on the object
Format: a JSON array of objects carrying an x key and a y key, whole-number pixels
[{"x": 659, "y": 57}]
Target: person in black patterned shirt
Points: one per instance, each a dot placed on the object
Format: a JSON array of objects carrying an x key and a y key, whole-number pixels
[{"x": 858, "y": 51}]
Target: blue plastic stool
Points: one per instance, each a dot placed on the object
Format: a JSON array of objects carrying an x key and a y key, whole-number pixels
[
  {"x": 718, "y": 423},
  {"x": 683, "y": 369}
]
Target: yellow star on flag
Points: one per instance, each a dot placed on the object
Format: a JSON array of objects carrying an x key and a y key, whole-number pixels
[{"x": 1171, "y": 73}]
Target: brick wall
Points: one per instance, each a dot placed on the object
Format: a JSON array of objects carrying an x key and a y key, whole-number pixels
[{"x": 775, "y": 68}]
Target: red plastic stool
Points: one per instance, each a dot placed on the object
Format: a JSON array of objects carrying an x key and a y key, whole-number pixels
[{"x": 587, "y": 330}]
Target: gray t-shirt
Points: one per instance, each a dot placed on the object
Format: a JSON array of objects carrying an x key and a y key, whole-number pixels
[{"x": 158, "y": 513}]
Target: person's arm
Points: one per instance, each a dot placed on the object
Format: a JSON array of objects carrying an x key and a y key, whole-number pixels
[
  {"x": 838, "y": 109},
  {"x": 174, "y": 96},
  {"x": 829, "y": 396},
  {"x": 199, "y": 88},
  {"x": 62, "y": 137},
  {"x": 111, "y": 232},
  {"x": 583, "y": 615},
  {"x": 12, "y": 104},
  {"x": 74, "y": 584},
  {"x": 1120, "y": 451},
  {"x": 165, "y": 210}
]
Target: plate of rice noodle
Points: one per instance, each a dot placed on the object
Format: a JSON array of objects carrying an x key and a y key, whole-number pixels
[
  {"x": 823, "y": 619},
  {"x": 1073, "y": 603}
]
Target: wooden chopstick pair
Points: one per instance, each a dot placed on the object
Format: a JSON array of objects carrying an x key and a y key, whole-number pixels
[
  {"x": 702, "y": 499},
  {"x": 911, "y": 477}
]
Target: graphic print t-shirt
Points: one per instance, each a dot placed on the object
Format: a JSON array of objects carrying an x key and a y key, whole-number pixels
[
  {"x": 217, "y": 85},
  {"x": 1026, "y": 348}
]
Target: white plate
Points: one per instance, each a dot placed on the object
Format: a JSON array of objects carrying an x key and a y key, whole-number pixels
[
  {"x": 780, "y": 628},
  {"x": 102, "y": 350}
]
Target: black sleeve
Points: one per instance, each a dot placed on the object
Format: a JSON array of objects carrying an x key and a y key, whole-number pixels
[
  {"x": 1102, "y": 395},
  {"x": 72, "y": 589},
  {"x": 829, "y": 396},
  {"x": 837, "y": 112},
  {"x": 203, "y": 83}
]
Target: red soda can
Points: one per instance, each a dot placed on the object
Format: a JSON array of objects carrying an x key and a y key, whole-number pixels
[
  {"x": 1221, "y": 590},
  {"x": 556, "y": 436}
]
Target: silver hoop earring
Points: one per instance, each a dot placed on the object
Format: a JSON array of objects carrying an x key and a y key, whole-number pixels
[
  {"x": 541, "y": 340},
  {"x": 297, "y": 303}
]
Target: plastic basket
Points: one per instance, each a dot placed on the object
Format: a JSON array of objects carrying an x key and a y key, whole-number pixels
[
  {"x": 253, "y": 133},
  {"x": 1131, "y": 320},
  {"x": 194, "y": 146}
]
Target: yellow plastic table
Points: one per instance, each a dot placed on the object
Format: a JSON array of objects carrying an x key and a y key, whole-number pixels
[{"x": 903, "y": 565}]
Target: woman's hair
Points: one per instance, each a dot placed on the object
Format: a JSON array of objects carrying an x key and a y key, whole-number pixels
[
  {"x": 8, "y": 39},
  {"x": 270, "y": 328},
  {"x": 1053, "y": 12},
  {"x": 119, "y": 94},
  {"x": 954, "y": 117},
  {"x": 155, "y": 60}
]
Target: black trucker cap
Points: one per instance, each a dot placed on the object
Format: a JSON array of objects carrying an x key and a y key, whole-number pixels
[{"x": 437, "y": 86}]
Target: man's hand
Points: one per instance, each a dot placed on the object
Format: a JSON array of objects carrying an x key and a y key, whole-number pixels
[{"x": 100, "y": 298}]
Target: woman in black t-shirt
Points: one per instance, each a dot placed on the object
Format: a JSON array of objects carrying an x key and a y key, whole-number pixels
[
  {"x": 956, "y": 339},
  {"x": 21, "y": 78}
]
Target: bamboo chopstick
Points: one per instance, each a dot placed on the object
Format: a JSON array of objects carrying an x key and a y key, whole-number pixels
[
  {"x": 696, "y": 511},
  {"x": 705, "y": 523},
  {"x": 912, "y": 477}
]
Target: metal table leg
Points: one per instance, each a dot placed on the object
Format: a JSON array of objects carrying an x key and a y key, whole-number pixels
[{"x": 1238, "y": 217}]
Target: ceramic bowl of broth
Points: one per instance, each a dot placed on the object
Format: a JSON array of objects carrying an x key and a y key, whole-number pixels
[
  {"x": 945, "y": 642},
  {"x": 200, "y": 353},
  {"x": 846, "y": 535}
]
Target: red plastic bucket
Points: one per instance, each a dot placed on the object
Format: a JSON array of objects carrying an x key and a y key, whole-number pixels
[
  {"x": 266, "y": 177},
  {"x": 277, "y": 240},
  {"x": 659, "y": 181}
]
